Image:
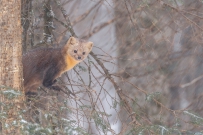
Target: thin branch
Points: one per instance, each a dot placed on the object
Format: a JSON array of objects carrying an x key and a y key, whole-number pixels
[
  {"x": 117, "y": 88},
  {"x": 98, "y": 28},
  {"x": 192, "y": 82},
  {"x": 63, "y": 11},
  {"x": 83, "y": 16}
]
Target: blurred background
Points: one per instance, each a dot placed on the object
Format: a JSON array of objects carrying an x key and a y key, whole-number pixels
[{"x": 145, "y": 75}]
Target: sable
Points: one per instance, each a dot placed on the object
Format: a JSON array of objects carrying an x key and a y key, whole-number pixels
[{"x": 44, "y": 65}]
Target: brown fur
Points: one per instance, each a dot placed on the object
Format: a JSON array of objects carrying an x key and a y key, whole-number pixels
[{"x": 44, "y": 66}]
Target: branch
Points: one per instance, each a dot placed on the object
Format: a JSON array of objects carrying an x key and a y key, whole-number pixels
[
  {"x": 63, "y": 11},
  {"x": 117, "y": 88},
  {"x": 98, "y": 28},
  {"x": 83, "y": 16},
  {"x": 108, "y": 75},
  {"x": 192, "y": 82}
]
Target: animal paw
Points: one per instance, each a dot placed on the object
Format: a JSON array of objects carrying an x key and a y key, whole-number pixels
[{"x": 57, "y": 88}]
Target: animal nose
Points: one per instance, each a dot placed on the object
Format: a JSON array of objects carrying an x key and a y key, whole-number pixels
[{"x": 79, "y": 57}]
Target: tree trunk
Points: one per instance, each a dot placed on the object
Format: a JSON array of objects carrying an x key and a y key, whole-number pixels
[{"x": 10, "y": 64}]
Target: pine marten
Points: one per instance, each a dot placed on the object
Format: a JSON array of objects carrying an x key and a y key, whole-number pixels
[{"x": 44, "y": 66}]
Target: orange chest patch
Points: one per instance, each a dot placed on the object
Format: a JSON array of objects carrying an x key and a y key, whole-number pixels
[{"x": 71, "y": 62}]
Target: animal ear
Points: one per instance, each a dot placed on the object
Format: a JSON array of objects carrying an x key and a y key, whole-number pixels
[
  {"x": 72, "y": 40},
  {"x": 89, "y": 45}
]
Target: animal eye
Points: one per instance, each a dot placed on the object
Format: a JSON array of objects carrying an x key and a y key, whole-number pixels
[
  {"x": 75, "y": 51},
  {"x": 83, "y": 53}
]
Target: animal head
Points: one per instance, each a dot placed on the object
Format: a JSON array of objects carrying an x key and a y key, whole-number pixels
[{"x": 77, "y": 48}]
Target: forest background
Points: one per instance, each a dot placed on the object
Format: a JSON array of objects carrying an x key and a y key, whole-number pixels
[{"x": 144, "y": 75}]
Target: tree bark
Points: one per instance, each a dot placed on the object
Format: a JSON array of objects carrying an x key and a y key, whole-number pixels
[
  {"x": 10, "y": 46},
  {"x": 10, "y": 64}
]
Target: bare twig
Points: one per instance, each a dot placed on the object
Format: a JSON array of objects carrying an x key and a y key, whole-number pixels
[{"x": 191, "y": 82}]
